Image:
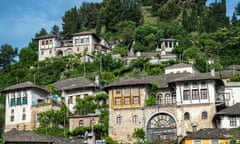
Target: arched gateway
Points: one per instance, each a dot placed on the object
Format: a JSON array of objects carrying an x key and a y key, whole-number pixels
[{"x": 161, "y": 127}]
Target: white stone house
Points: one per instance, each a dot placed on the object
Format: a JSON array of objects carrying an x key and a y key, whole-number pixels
[
  {"x": 23, "y": 103},
  {"x": 73, "y": 88},
  {"x": 228, "y": 117},
  {"x": 84, "y": 43},
  {"x": 184, "y": 102}
]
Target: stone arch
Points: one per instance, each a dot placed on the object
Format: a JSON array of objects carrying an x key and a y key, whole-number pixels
[
  {"x": 69, "y": 51},
  {"x": 161, "y": 127},
  {"x": 59, "y": 53}
]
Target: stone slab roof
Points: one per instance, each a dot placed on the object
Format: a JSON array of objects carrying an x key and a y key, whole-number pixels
[
  {"x": 180, "y": 65},
  {"x": 23, "y": 86},
  {"x": 74, "y": 83},
  {"x": 15, "y": 136},
  {"x": 46, "y": 36},
  {"x": 230, "y": 111},
  {"x": 211, "y": 133},
  {"x": 164, "y": 80}
]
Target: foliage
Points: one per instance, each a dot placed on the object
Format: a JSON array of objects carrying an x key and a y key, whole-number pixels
[
  {"x": 71, "y": 22},
  {"x": 7, "y": 55},
  {"x": 139, "y": 133},
  {"x": 53, "y": 131}
]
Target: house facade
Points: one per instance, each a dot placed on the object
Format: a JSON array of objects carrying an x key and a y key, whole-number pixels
[
  {"x": 228, "y": 118},
  {"x": 23, "y": 103},
  {"x": 184, "y": 102},
  {"x": 210, "y": 136},
  {"x": 73, "y": 88},
  {"x": 84, "y": 43}
]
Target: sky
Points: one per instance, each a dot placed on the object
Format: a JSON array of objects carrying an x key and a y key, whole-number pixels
[{"x": 20, "y": 20}]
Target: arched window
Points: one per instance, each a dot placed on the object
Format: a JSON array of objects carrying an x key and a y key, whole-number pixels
[
  {"x": 158, "y": 99},
  {"x": 204, "y": 115},
  {"x": 24, "y": 117},
  {"x": 186, "y": 116},
  {"x": 168, "y": 98}
]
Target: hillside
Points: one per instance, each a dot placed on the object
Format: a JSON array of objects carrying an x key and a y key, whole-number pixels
[{"x": 204, "y": 33}]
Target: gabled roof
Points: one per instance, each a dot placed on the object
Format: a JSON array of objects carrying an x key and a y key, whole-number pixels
[
  {"x": 128, "y": 82},
  {"x": 87, "y": 33},
  {"x": 74, "y": 83},
  {"x": 180, "y": 65},
  {"x": 164, "y": 80},
  {"x": 46, "y": 36},
  {"x": 23, "y": 85},
  {"x": 211, "y": 133},
  {"x": 230, "y": 111},
  {"x": 15, "y": 136}
]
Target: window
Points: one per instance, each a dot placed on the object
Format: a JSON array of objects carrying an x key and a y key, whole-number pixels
[
  {"x": 24, "y": 109},
  {"x": 168, "y": 99},
  {"x": 12, "y": 111},
  {"x": 204, "y": 115},
  {"x": 70, "y": 100},
  {"x": 195, "y": 94},
  {"x": 203, "y": 93},
  {"x": 117, "y": 92},
  {"x": 126, "y": 100},
  {"x": 24, "y": 99},
  {"x": 13, "y": 102},
  {"x": 43, "y": 42},
  {"x": 42, "y": 53},
  {"x": 214, "y": 141},
  {"x": 117, "y": 100},
  {"x": 186, "y": 116},
  {"x": 46, "y": 42},
  {"x": 119, "y": 120},
  {"x": 136, "y": 100},
  {"x": 174, "y": 97},
  {"x": 233, "y": 121},
  {"x": 134, "y": 119},
  {"x": 81, "y": 123},
  {"x": 194, "y": 128},
  {"x": 50, "y": 51},
  {"x": 18, "y": 100},
  {"x": 197, "y": 142},
  {"x": 12, "y": 118},
  {"x": 186, "y": 95},
  {"x": 24, "y": 117},
  {"x": 158, "y": 98}
]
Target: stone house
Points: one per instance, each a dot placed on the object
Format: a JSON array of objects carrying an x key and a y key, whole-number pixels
[
  {"x": 84, "y": 43},
  {"x": 23, "y": 103},
  {"x": 184, "y": 102},
  {"x": 210, "y": 136}
]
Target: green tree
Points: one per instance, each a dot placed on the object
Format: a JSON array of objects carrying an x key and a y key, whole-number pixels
[
  {"x": 169, "y": 11},
  {"x": 88, "y": 13},
  {"x": 71, "y": 22},
  {"x": 7, "y": 55}
]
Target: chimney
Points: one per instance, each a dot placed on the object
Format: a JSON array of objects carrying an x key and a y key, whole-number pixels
[
  {"x": 213, "y": 72},
  {"x": 97, "y": 80}
]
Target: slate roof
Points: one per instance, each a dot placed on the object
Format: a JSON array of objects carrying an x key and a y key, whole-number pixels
[
  {"x": 234, "y": 67},
  {"x": 230, "y": 111},
  {"x": 46, "y": 36},
  {"x": 23, "y": 86},
  {"x": 164, "y": 80},
  {"x": 31, "y": 137},
  {"x": 226, "y": 73},
  {"x": 74, "y": 83},
  {"x": 211, "y": 133},
  {"x": 180, "y": 65}
]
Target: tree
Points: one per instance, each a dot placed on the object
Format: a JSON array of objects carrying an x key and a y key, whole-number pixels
[
  {"x": 71, "y": 22},
  {"x": 237, "y": 9},
  {"x": 234, "y": 20},
  {"x": 56, "y": 31},
  {"x": 170, "y": 10},
  {"x": 7, "y": 55},
  {"x": 88, "y": 13}
]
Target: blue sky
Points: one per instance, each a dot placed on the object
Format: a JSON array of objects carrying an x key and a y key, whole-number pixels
[{"x": 21, "y": 19}]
